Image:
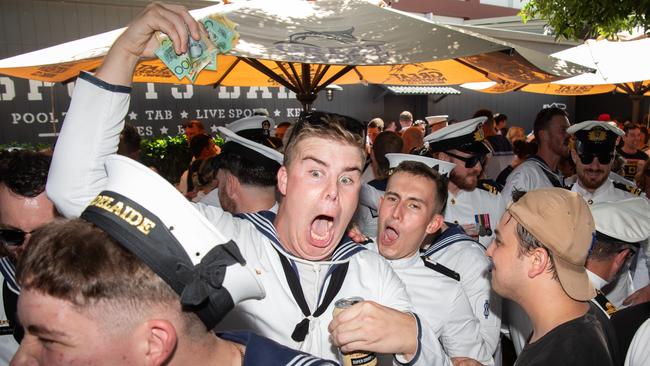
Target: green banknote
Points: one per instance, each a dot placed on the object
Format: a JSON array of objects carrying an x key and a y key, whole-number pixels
[
  {"x": 189, "y": 64},
  {"x": 222, "y": 33}
]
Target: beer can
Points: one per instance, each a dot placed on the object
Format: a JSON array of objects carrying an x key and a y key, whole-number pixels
[{"x": 357, "y": 358}]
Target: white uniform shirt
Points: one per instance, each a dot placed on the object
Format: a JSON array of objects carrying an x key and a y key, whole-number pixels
[
  {"x": 442, "y": 304},
  {"x": 478, "y": 207},
  {"x": 458, "y": 252},
  {"x": 527, "y": 176},
  {"x": 368, "y": 209},
  {"x": 624, "y": 285},
  {"x": 637, "y": 354},
  {"x": 71, "y": 186},
  {"x": 8, "y": 344}
]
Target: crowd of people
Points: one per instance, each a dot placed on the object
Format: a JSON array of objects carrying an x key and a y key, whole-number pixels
[{"x": 325, "y": 241}]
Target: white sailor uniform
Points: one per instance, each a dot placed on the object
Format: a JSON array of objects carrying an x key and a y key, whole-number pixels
[
  {"x": 8, "y": 344},
  {"x": 441, "y": 303},
  {"x": 462, "y": 254},
  {"x": 368, "y": 208},
  {"x": 482, "y": 207},
  {"x": 533, "y": 173},
  {"x": 611, "y": 191},
  {"x": 72, "y": 186}
]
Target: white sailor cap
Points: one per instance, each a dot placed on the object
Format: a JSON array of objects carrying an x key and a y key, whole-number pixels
[
  {"x": 151, "y": 219},
  {"x": 466, "y": 136},
  {"x": 443, "y": 167},
  {"x": 437, "y": 119},
  {"x": 250, "y": 123},
  {"x": 626, "y": 220},
  {"x": 261, "y": 112},
  {"x": 253, "y": 151},
  {"x": 595, "y": 136}
]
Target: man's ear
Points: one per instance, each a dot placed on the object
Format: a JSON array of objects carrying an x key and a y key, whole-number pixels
[
  {"x": 232, "y": 185},
  {"x": 619, "y": 259},
  {"x": 162, "y": 340},
  {"x": 539, "y": 262},
  {"x": 282, "y": 180},
  {"x": 435, "y": 224}
]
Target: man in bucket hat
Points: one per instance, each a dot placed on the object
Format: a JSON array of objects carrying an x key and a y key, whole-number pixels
[
  {"x": 539, "y": 259},
  {"x": 133, "y": 282}
]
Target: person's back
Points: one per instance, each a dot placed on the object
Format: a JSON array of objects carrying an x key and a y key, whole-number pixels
[{"x": 578, "y": 342}]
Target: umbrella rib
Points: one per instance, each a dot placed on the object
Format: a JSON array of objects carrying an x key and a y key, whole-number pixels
[
  {"x": 626, "y": 88},
  {"x": 341, "y": 72},
  {"x": 225, "y": 74},
  {"x": 297, "y": 77},
  {"x": 292, "y": 78},
  {"x": 268, "y": 72},
  {"x": 320, "y": 72},
  {"x": 465, "y": 63}
]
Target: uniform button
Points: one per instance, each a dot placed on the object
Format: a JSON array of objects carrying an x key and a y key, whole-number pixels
[
  {"x": 453, "y": 201},
  {"x": 590, "y": 202},
  {"x": 456, "y": 222}
]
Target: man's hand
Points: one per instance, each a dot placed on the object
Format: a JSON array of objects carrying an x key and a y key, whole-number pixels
[
  {"x": 139, "y": 40},
  {"x": 638, "y": 297},
  {"x": 368, "y": 326},
  {"x": 355, "y": 233}
]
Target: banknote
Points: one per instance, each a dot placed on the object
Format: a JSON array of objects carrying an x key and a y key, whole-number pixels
[
  {"x": 222, "y": 33},
  {"x": 189, "y": 64}
]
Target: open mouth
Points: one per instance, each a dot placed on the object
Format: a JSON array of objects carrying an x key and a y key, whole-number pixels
[
  {"x": 390, "y": 235},
  {"x": 321, "y": 230}
]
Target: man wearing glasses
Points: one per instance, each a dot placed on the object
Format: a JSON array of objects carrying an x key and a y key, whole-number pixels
[
  {"x": 593, "y": 154},
  {"x": 470, "y": 211},
  {"x": 24, "y": 207}
]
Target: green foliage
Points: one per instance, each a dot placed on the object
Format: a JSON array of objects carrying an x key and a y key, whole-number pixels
[
  {"x": 169, "y": 155},
  {"x": 583, "y": 19},
  {"x": 25, "y": 146}
]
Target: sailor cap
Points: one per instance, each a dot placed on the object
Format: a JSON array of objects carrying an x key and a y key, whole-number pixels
[
  {"x": 443, "y": 167},
  {"x": 466, "y": 136}
]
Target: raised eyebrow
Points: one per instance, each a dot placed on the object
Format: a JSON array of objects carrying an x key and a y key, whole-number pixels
[
  {"x": 316, "y": 160},
  {"x": 391, "y": 193}
]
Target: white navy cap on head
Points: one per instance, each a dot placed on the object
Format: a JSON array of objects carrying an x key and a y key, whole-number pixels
[
  {"x": 250, "y": 123},
  {"x": 437, "y": 119},
  {"x": 151, "y": 219},
  {"x": 465, "y": 136},
  {"x": 595, "y": 136},
  {"x": 626, "y": 220},
  {"x": 443, "y": 167},
  {"x": 261, "y": 112},
  {"x": 250, "y": 149}
]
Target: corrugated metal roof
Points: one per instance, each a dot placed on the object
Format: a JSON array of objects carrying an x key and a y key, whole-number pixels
[{"x": 421, "y": 90}]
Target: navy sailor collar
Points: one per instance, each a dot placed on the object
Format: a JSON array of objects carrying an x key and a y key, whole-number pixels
[
  {"x": 263, "y": 221},
  {"x": 452, "y": 235}
]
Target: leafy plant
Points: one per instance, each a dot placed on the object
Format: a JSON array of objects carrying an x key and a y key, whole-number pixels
[
  {"x": 169, "y": 155},
  {"x": 583, "y": 19}
]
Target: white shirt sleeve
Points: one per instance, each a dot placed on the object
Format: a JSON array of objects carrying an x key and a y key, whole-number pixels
[{"x": 90, "y": 133}]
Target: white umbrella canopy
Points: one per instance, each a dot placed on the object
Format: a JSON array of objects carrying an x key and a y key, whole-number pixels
[{"x": 306, "y": 45}]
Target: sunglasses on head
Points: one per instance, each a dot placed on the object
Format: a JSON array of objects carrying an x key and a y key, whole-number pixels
[
  {"x": 324, "y": 119},
  {"x": 603, "y": 158},
  {"x": 470, "y": 161},
  {"x": 13, "y": 237}
]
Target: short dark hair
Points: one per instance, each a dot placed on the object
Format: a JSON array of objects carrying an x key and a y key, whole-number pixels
[
  {"x": 24, "y": 172},
  {"x": 500, "y": 117},
  {"x": 419, "y": 169},
  {"x": 485, "y": 113},
  {"x": 544, "y": 117},
  {"x": 75, "y": 261},
  {"x": 247, "y": 171},
  {"x": 386, "y": 142},
  {"x": 605, "y": 247},
  {"x": 630, "y": 126},
  {"x": 198, "y": 143},
  {"x": 129, "y": 140},
  {"x": 194, "y": 124}
]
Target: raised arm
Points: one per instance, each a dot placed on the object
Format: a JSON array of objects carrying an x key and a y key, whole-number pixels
[{"x": 94, "y": 120}]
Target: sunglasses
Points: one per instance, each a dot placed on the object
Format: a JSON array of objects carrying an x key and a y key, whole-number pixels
[
  {"x": 13, "y": 237},
  {"x": 470, "y": 161},
  {"x": 603, "y": 158}
]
